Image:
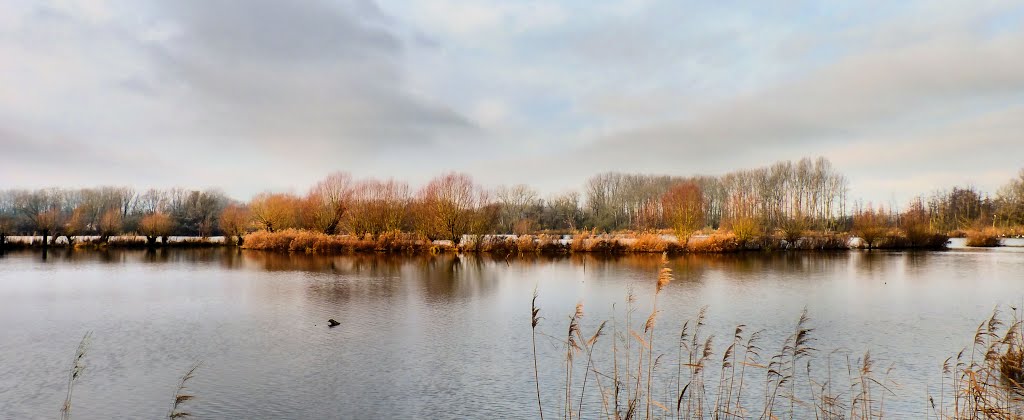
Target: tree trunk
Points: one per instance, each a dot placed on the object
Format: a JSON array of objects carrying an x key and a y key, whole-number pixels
[
  {"x": 241, "y": 239},
  {"x": 150, "y": 241}
]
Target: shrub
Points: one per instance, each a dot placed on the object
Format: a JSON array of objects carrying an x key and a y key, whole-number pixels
[
  {"x": 987, "y": 237},
  {"x": 793, "y": 229},
  {"x": 607, "y": 246},
  {"x": 580, "y": 242},
  {"x": 823, "y": 242},
  {"x": 745, "y": 229},
  {"x": 526, "y": 244},
  {"x": 552, "y": 245},
  {"x": 871, "y": 226}
]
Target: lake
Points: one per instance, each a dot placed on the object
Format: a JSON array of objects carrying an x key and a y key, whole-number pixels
[{"x": 449, "y": 336}]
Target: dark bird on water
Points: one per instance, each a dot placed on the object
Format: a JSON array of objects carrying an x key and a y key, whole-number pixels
[{"x": 332, "y": 323}]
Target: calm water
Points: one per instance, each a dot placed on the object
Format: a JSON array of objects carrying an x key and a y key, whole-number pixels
[{"x": 441, "y": 337}]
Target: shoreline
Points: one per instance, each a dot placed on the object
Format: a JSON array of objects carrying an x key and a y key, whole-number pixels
[{"x": 305, "y": 242}]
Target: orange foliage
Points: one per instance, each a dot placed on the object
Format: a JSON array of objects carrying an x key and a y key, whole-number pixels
[
  {"x": 275, "y": 211},
  {"x": 683, "y": 205},
  {"x": 449, "y": 207},
  {"x": 156, "y": 224},
  {"x": 235, "y": 221}
]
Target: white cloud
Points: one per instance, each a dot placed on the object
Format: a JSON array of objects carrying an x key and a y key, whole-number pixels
[{"x": 566, "y": 89}]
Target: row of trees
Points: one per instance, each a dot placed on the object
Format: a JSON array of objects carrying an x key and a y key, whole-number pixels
[
  {"x": 788, "y": 196},
  {"x": 958, "y": 209},
  {"x": 108, "y": 211},
  {"x": 808, "y": 190}
]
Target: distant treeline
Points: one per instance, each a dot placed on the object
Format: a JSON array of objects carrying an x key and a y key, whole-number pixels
[{"x": 809, "y": 194}]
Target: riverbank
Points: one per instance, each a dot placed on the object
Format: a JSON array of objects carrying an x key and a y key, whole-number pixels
[
  {"x": 119, "y": 242},
  {"x": 552, "y": 244},
  {"x": 713, "y": 242}
]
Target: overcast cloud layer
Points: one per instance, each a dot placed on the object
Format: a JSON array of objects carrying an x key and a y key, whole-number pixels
[{"x": 904, "y": 97}]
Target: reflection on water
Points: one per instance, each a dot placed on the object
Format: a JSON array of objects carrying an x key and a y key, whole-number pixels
[{"x": 439, "y": 335}]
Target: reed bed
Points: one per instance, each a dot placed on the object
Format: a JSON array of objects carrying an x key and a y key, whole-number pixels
[
  {"x": 988, "y": 237},
  {"x": 715, "y": 243},
  {"x": 654, "y": 241},
  {"x": 742, "y": 376},
  {"x": 318, "y": 243},
  {"x": 582, "y": 242}
]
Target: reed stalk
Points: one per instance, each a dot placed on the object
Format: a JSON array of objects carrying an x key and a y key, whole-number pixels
[{"x": 75, "y": 372}]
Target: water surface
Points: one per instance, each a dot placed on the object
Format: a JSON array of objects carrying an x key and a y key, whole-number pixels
[{"x": 443, "y": 336}]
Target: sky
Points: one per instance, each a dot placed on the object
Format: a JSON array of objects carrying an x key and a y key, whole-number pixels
[{"x": 903, "y": 97}]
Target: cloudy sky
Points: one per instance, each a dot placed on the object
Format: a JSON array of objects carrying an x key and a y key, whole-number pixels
[{"x": 904, "y": 97}]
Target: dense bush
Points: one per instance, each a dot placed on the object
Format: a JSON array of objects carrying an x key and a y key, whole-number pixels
[{"x": 988, "y": 237}]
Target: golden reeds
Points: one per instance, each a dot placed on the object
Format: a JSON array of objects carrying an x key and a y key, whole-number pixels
[{"x": 986, "y": 378}]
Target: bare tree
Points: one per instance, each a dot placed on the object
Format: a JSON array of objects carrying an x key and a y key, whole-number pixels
[
  {"x": 327, "y": 202},
  {"x": 1009, "y": 203},
  {"x": 515, "y": 203},
  {"x": 41, "y": 209},
  {"x": 562, "y": 212}
]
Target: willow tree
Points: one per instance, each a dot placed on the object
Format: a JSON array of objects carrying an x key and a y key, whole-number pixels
[
  {"x": 234, "y": 222},
  {"x": 870, "y": 225},
  {"x": 683, "y": 207},
  {"x": 156, "y": 225},
  {"x": 449, "y": 206},
  {"x": 41, "y": 209},
  {"x": 327, "y": 201},
  {"x": 378, "y": 207},
  {"x": 274, "y": 211},
  {"x": 110, "y": 224}
]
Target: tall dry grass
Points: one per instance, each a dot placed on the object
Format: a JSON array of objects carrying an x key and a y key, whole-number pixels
[
  {"x": 795, "y": 381},
  {"x": 715, "y": 243},
  {"x": 295, "y": 240}
]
